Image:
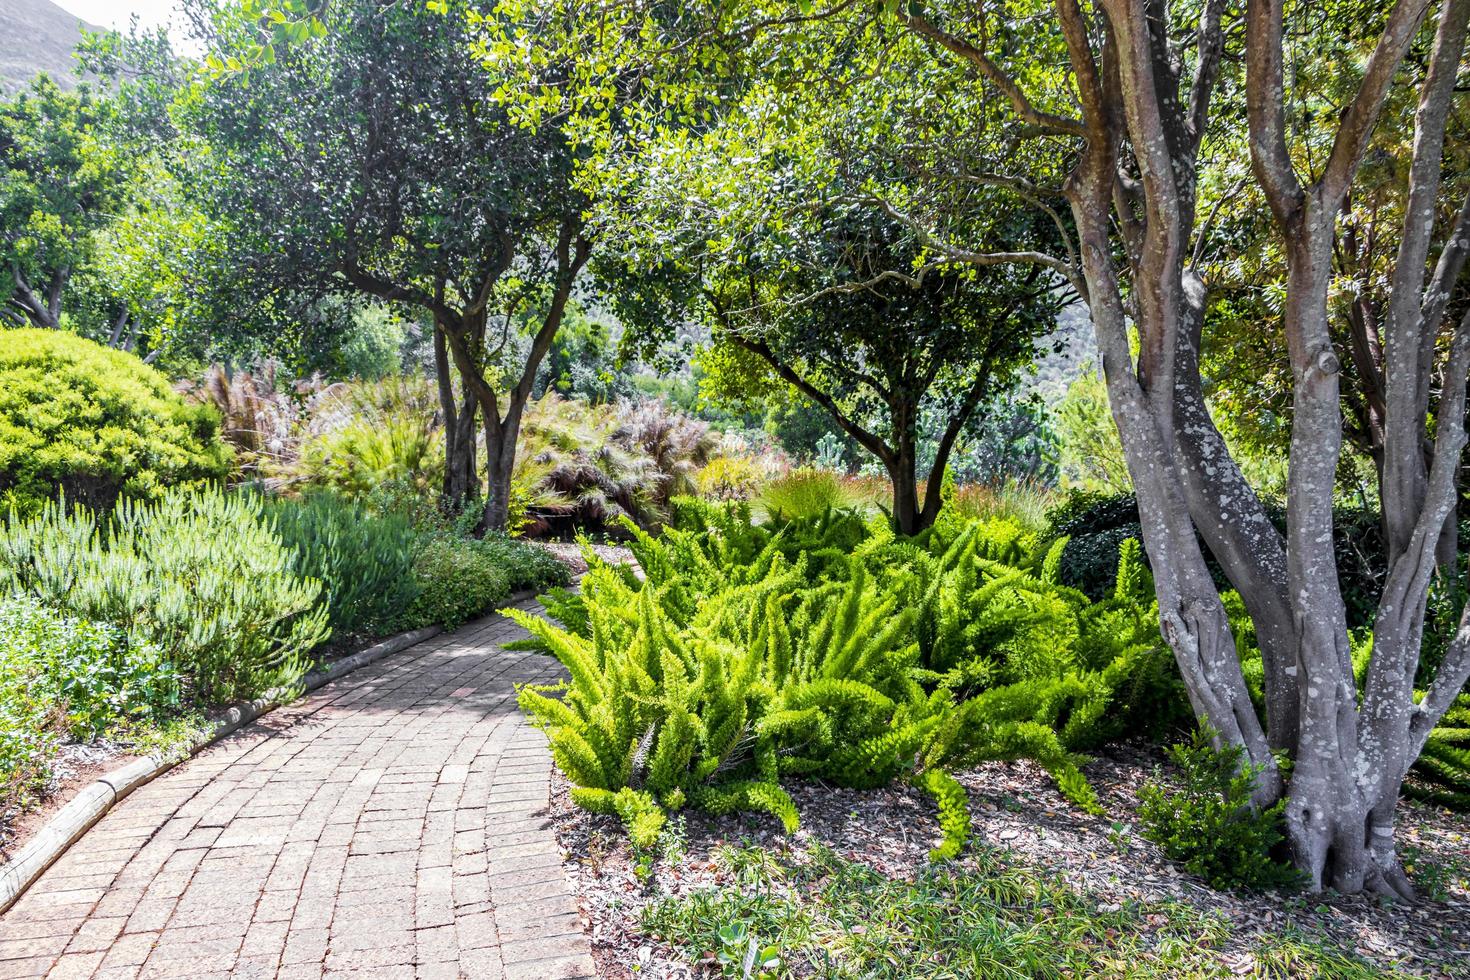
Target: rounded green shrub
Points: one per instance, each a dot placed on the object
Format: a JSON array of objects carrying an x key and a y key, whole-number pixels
[
  {"x": 94, "y": 424},
  {"x": 457, "y": 582}
]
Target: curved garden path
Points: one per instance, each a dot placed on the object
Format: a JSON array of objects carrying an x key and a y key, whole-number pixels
[{"x": 391, "y": 823}]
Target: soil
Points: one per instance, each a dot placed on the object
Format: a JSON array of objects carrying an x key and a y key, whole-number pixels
[
  {"x": 74, "y": 768},
  {"x": 569, "y": 553},
  {"x": 1016, "y": 808}
]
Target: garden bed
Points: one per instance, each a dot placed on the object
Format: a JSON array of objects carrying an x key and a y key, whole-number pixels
[
  {"x": 1023, "y": 830},
  {"x": 78, "y": 765}
]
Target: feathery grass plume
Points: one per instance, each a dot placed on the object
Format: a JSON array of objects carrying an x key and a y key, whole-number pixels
[{"x": 677, "y": 445}]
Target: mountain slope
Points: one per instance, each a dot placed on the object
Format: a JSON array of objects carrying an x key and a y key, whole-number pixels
[{"x": 39, "y": 36}]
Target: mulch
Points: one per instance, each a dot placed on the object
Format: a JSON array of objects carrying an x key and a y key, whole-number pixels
[
  {"x": 1016, "y": 808},
  {"x": 72, "y": 770}
]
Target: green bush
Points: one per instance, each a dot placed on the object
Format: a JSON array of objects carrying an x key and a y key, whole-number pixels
[
  {"x": 733, "y": 666},
  {"x": 460, "y": 578},
  {"x": 92, "y": 423},
  {"x": 1209, "y": 825},
  {"x": 365, "y": 561},
  {"x": 456, "y": 582},
  {"x": 200, "y": 575},
  {"x": 62, "y": 677},
  {"x": 713, "y": 709},
  {"x": 367, "y": 434}
]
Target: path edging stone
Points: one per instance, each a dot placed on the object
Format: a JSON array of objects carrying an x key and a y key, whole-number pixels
[{"x": 102, "y": 794}]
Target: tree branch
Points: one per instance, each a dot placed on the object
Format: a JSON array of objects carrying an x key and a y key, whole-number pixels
[
  {"x": 867, "y": 439},
  {"x": 1210, "y": 47},
  {"x": 1361, "y": 116},
  {"x": 1020, "y": 103},
  {"x": 1265, "y": 90}
]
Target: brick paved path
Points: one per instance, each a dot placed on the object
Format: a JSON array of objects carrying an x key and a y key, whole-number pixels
[{"x": 390, "y": 823}]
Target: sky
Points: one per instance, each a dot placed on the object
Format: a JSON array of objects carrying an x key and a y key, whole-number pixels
[{"x": 116, "y": 13}]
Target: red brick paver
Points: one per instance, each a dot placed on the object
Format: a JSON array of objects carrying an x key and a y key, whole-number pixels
[{"x": 389, "y": 825}]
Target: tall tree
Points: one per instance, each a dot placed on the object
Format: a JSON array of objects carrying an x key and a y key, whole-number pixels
[
  {"x": 381, "y": 158},
  {"x": 60, "y": 181},
  {"x": 1128, "y": 102},
  {"x": 765, "y": 224}
]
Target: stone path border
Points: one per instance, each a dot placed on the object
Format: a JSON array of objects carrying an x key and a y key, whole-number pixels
[{"x": 394, "y": 825}]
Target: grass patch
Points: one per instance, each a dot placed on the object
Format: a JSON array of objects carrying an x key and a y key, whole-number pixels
[{"x": 818, "y": 914}]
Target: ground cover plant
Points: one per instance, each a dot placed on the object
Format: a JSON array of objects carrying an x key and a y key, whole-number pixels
[
  {"x": 67, "y": 679},
  {"x": 1100, "y": 876},
  {"x": 815, "y": 913}
]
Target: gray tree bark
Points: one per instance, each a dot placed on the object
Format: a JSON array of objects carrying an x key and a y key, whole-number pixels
[{"x": 1132, "y": 194}]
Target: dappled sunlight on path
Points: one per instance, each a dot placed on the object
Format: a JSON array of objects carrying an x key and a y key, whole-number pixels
[{"x": 392, "y": 822}]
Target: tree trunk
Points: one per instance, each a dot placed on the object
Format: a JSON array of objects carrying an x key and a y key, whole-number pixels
[
  {"x": 499, "y": 469},
  {"x": 461, "y": 482},
  {"x": 908, "y": 519},
  {"x": 902, "y": 465},
  {"x": 1229, "y": 516}
]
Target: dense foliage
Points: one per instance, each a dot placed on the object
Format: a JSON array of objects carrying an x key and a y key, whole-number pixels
[
  {"x": 63, "y": 678},
  {"x": 1208, "y": 822},
  {"x": 460, "y": 578},
  {"x": 364, "y": 560},
  {"x": 827, "y": 648},
  {"x": 204, "y": 577},
  {"x": 95, "y": 424}
]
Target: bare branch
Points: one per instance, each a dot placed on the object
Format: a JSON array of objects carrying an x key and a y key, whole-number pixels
[
  {"x": 1265, "y": 99},
  {"x": 1211, "y": 45},
  {"x": 867, "y": 439}
]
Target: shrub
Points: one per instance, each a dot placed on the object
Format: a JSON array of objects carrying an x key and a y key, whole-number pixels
[
  {"x": 1209, "y": 823},
  {"x": 461, "y": 578},
  {"x": 712, "y": 710},
  {"x": 727, "y": 477},
  {"x": 676, "y": 444},
  {"x": 734, "y": 665},
  {"x": 364, "y": 560},
  {"x": 201, "y": 575},
  {"x": 93, "y": 423},
  {"x": 526, "y": 566},
  {"x": 62, "y": 677},
  {"x": 1022, "y": 503},
  {"x": 257, "y": 417},
  {"x": 802, "y": 493},
  {"x": 586, "y": 478},
  {"x": 456, "y": 582},
  {"x": 365, "y": 434}
]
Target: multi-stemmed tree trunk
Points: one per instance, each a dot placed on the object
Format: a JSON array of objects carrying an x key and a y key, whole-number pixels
[
  {"x": 1133, "y": 195},
  {"x": 33, "y": 306},
  {"x": 462, "y": 348},
  {"x": 501, "y": 413},
  {"x": 461, "y": 477}
]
